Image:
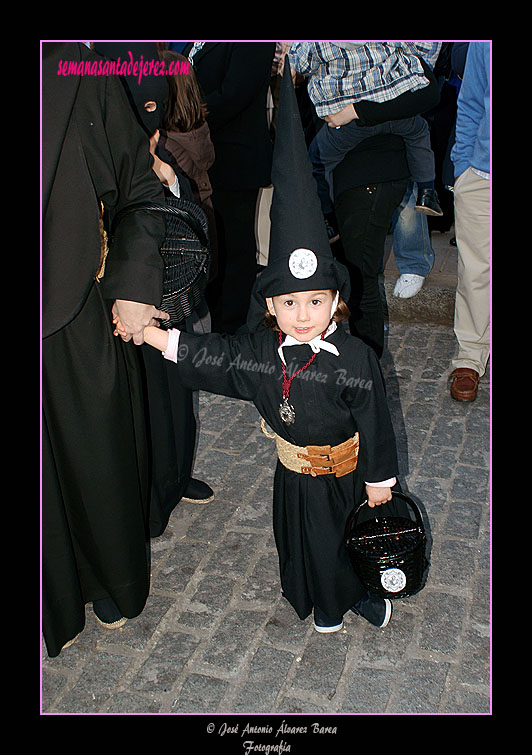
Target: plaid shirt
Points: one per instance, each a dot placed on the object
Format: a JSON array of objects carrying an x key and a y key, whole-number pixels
[
  {"x": 281, "y": 49},
  {"x": 344, "y": 73}
]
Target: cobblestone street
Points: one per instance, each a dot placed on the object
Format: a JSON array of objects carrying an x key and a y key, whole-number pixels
[{"x": 216, "y": 637}]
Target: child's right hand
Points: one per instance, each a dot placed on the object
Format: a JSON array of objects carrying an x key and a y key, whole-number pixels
[
  {"x": 131, "y": 317},
  {"x": 378, "y": 495},
  {"x": 152, "y": 335},
  {"x": 156, "y": 337}
]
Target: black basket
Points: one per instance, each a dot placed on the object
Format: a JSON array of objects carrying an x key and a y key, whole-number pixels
[
  {"x": 388, "y": 552},
  {"x": 186, "y": 255}
]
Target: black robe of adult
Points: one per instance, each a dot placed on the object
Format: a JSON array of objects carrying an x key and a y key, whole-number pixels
[
  {"x": 94, "y": 479},
  {"x": 334, "y": 398},
  {"x": 169, "y": 407}
]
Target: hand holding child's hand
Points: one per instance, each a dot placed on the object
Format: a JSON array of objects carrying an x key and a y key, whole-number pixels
[
  {"x": 377, "y": 496},
  {"x": 119, "y": 328},
  {"x": 151, "y": 334},
  {"x": 130, "y": 319}
]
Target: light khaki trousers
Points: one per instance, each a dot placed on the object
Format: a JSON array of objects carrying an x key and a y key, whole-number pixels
[{"x": 472, "y": 208}]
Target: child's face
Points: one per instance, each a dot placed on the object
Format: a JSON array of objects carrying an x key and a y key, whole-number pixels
[{"x": 303, "y": 315}]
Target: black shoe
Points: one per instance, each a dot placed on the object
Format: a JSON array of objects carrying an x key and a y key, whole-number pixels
[
  {"x": 378, "y": 611},
  {"x": 198, "y": 492},
  {"x": 325, "y": 624},
  {"x": 428, "y": 203},
  {"x": 107, "y": 613}
]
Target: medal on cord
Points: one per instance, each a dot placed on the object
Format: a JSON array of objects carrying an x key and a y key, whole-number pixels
[{"x": 286, "y": 410}]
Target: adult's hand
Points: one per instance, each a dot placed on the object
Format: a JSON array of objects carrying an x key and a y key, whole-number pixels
[{"x": 135, "y": 316}]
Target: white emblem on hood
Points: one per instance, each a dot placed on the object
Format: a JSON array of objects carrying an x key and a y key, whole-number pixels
[{"x": 302, "y": 263}]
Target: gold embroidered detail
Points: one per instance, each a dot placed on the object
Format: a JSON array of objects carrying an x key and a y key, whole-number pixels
[{"x": 104, "y": 246}]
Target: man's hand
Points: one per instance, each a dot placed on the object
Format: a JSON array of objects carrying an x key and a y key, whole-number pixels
[{"x": 134, "y": 317}]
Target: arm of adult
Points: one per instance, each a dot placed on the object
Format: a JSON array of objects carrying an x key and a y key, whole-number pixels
[
  {"x": 134, "y": 267},
  {"x": 473, "y": 136}
]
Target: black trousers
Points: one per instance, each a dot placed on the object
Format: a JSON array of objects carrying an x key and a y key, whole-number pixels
[
  {"x": 229, "y": 294},
  {"x": 364, "y": 215},
  {"x": 171, "y": 433}
]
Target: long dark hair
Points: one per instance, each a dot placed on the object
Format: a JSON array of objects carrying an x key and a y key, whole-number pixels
[{"x": 185, "y": 109}]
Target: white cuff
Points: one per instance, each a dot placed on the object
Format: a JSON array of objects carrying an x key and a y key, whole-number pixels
[
  {"x": 173, "y": 345},
  {"x": 174, "y": 188},
  {"x": 385, "y": 484}
]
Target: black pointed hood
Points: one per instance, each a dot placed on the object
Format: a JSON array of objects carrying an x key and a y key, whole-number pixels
[{"x": 300, "y": 256}]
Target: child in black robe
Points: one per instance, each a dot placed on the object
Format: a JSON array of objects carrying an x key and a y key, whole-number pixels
[{"x": 319, "y": 389}]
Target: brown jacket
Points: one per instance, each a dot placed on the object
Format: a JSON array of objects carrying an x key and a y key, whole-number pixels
[{"x": 194, "y": 153}]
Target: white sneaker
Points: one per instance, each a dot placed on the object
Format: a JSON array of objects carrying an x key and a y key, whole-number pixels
[
  {"x": 324, "y": 624},
  {"x": 408, "y": 285},
  {"x": 328, "y": 629}
]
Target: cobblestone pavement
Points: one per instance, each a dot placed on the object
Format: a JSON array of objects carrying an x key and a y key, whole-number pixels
[{"x": 216, "y": 637}]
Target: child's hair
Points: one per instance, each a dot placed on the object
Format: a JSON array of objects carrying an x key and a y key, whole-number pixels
[
  {"x": 342, "y": 313},
  {"x": 185, "y": 109}
]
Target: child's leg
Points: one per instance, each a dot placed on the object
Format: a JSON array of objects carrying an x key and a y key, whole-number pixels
[
  {"x": 416, "y": 136},
  {"x": 318, "y": 171},
  {"x": 420, "y": 157},
  {"x": 327, "y": 150}
]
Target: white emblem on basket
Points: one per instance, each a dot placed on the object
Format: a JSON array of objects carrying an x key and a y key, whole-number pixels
[
  {"x": 302, "y": 263},
  {"x": 393, "y": 580}
]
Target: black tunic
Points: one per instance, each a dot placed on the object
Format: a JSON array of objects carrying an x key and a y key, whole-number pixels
[
  {"x": 94, "y": 456},
  {"x": 333, "y": 399}
]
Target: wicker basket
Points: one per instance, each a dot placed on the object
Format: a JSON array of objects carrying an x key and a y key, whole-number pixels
[
  {"x": 186, "y": 255},
  {"x": 388, "y": 552}
]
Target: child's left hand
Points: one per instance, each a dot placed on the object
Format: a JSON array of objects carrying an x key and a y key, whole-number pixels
[{"x": 378, "y": 496}]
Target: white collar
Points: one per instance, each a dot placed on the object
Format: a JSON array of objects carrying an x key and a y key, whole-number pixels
[{"x": 316, "y": 344}]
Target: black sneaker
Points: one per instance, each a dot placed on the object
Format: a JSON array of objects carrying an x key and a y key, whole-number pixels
[
  {"x": 378, "y": 611},
  {"x": 428, "y": 203},
  {"x": 198, "y": 492},
  {"x": 325, "y": 624}
]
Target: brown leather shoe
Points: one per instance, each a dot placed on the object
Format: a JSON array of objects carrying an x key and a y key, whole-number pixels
[{"x": 464, "y": 384}]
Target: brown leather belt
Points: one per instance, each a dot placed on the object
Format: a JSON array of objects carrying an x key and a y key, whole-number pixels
[{"x": 317, "y": 460}]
